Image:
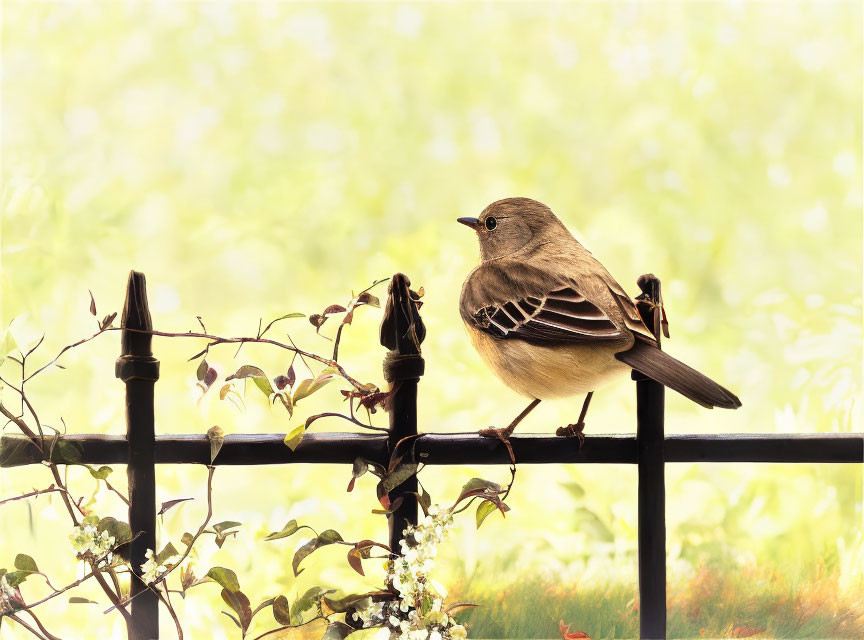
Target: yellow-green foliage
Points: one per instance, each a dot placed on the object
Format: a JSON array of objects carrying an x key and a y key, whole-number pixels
[{"x": 256, "y": 159}]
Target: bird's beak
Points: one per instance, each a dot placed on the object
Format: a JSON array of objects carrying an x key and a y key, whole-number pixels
[{"x": 469, "y": 222}]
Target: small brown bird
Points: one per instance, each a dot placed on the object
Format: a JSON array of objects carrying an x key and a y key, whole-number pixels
[{"x": 550, "y": 321}]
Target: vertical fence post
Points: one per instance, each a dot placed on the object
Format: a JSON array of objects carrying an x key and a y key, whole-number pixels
[
  {"x": 402, "y": 331},
  {"x": 650, "y": 396},
  {"x": 137, "y": 367}
]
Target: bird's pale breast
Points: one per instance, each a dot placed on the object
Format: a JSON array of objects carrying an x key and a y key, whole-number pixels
[{"x": 550, "y": 372}]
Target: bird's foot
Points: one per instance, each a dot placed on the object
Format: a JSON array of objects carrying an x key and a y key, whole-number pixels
[
  {"x": 573, "y": 431},
  {"x": 502, "y": 434}
]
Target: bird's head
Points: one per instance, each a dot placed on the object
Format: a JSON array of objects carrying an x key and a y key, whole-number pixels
[{"x": 512, "y": 224}]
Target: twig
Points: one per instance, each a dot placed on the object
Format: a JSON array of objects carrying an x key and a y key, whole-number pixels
[
  {"x": 166, "y": 600},
  {"x": 350, "y": 419},
  {"x": 19, "y": 422},
  {"x": 116, "y": 599},
  {"x": 12, "y": 616},
  {"x": 56, "y": 593},
  {"x": 42, "y": 628},
  {"x": 51, "y": 489},
  {"x": 64, "y": 350},
  {"x": 108, "y": 484},
  {"x": 161, "y": 578},
  {"x": 217, "y": 340}
]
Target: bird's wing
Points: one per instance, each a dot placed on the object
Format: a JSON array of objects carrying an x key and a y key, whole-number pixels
[
  {"x": 631, "y": 317},
  {"x": 533, "y": 306}
]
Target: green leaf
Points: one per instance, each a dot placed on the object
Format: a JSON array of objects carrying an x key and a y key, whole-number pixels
[
  {"x": 258, "y": 377},
  {"x": 202, "y": 370},
  {"x": 306, "y": 601},
  {"x": 294, "y": 437},
  {"x": 329, "y": 537},
  {"x": 310, "y": 386},
  {"x": 575, "y": 489},
  {"x": 93, "y": 521},
  {"x": 168, "y": 551},
  {"x": 225, "y": 577},
  {"x": 325, "y": 538},
  {"x": 425, "y": 501},
  {"x": 216, "y": 436},
  {"x": 484, "y": 509},
  {"x": 26, "y": 563},
  {"x": 14, "y": 578},
  {"x": 290, "y": 528},
  {"x": 79, "y": 600},
  {"x": 101, "y": 473},
  {"x": 479, "y": 487},
  {"x": 359, "y": 601},
  {"x": 187, "y": 538},
  {"x": 358, "y": 469},
  {"x": 337, "y": 631},
  {"x": 66, "y": 452},
  {"x": 282, "y": 611},
  {"x": 224, "y": 526},
  {"x": 400, "y": 474},
  {"x": 480, "y": 483},
  {"x": 120, "y": 530}
]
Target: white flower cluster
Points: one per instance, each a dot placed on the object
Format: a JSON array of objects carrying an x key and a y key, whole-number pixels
[
  {"x": 151, "y": 570},
  {"x": 89, "y": 542},
  {"x": 418, "y": 613}
]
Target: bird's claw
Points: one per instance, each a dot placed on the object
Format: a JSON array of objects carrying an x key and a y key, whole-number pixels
[
  {"x": 573, "y": 431},
  {"x": 502, "y": 434}
]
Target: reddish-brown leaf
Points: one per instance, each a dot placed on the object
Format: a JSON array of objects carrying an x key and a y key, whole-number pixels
[
  {"x": 566, "y": 634},
  {"x": 333, "y": 308},
  {"x": 354, "y": 560},
  {"x": 316, "y": 320}
]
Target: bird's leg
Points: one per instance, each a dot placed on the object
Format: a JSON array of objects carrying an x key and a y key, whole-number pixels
[
  {"x": 577, "y": 430},
  {"x": 504, "y": 434}
]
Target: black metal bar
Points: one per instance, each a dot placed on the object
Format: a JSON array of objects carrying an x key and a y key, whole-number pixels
[
  {"x": 402, "y": 331},
  {"x": 137, "y": 367},
  {"x": 650, "y": 397},
  {"x": 765, "y": 448},
  {"x": 652, "y": 510},
  {"x": 457, "y": 448}
]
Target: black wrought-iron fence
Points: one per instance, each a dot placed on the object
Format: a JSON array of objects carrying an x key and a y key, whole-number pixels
[{"x": 650, "y": 449}]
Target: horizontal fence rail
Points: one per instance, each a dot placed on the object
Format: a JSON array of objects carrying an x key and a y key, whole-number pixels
[
  {"x": 402, "y": 331},
  {"x": 457, "y": 449}
]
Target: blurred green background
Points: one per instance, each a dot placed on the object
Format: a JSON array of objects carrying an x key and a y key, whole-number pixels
[{"x": 257, "y": 158}]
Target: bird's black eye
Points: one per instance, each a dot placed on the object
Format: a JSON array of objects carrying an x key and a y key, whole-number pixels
[{"x": 491, "y": 223}]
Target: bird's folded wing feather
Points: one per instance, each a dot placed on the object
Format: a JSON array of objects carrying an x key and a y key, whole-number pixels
[
  {"x": 543, "y": 310},
  {"x": 632, "y": 319}
]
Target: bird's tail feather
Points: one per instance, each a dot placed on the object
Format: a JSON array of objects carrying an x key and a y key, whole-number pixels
[{"x": 665, "y": 369}]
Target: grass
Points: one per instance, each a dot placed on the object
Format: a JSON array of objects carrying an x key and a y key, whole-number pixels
[{"x": 712, "y": 603}]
